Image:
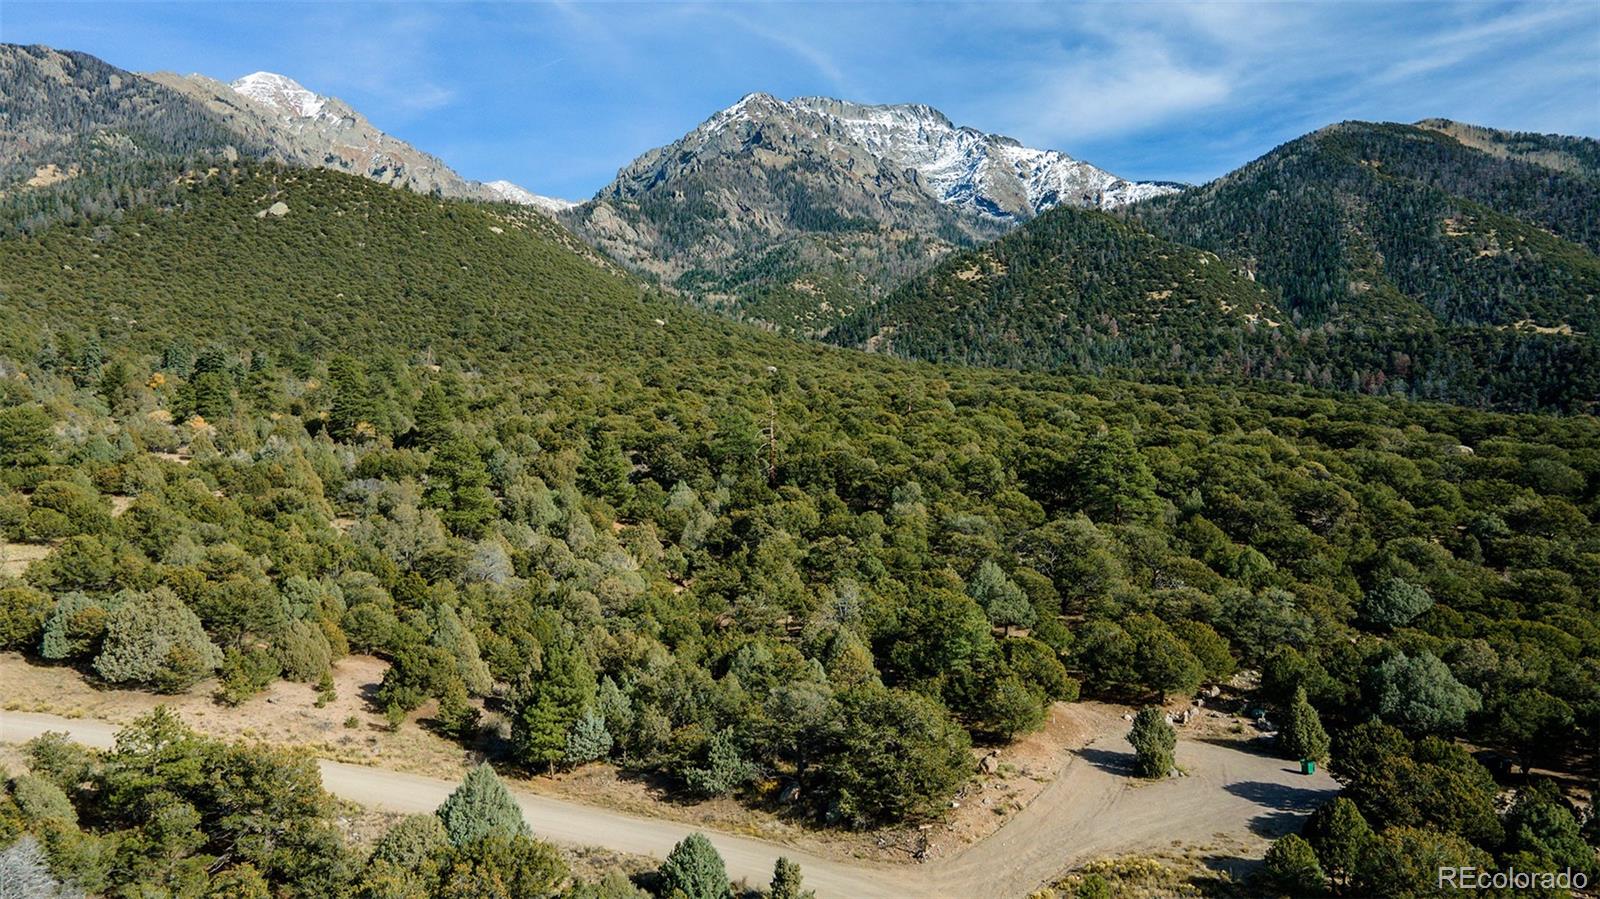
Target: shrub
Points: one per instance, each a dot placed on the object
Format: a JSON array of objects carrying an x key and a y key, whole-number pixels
[
  {"x": 244, "y": 674},
  {"x": 302, "y": 650},
  {"x": 41, "y": 801},
  {"x": 500, "y": 867},
  {"x": 74, "y": 628},
  {"x": 1291, "y": 866},
  {"x": 1420, "y": 695},
  {"x": 22, "y": 615},
  {"x": 153, "y": 639},
  {"x": 411, "y": 841},
  {"x": 1394, "y": 604}
]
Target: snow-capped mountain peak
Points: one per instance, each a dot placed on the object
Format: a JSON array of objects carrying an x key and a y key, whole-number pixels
[
  {"x": 990, "y": 174},
  {"x": 281, "y": 93}
]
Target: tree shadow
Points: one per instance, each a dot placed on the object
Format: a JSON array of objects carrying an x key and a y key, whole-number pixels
[
  {"x": 1121, "y": 763},
  {"x": 1238, "y": 868},
  {"x": 1280, "y": 796},
  {"x": 1288, "y": 805},
  {"x": 1275, "y": 824}
]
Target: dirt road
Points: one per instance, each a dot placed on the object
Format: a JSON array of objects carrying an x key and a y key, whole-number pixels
[{"x": 1094, "y": 808}]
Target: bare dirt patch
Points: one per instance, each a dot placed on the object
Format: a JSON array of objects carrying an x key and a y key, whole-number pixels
[
  {"x": 46, "y": 175},
  {"x": 285, "y": 713},
  {"x": 1014, "y": 776},
  {"x": 16, "y": 557}
]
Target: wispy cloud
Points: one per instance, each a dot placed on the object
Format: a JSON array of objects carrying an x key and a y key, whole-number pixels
[
  {"x": 389, "y": 57},
  {"x": 1138, "y": 89},
  {"x": 800, "y": 47},
  {"x": 558, "y": 96}
]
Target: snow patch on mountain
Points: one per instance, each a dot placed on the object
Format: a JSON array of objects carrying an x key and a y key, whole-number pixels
[
  {"x": 988, "y": 173},
  {"x": 991, "y": 174},
  {"x": 281, "y": 93},
  {"x": 515, "y": 193}
]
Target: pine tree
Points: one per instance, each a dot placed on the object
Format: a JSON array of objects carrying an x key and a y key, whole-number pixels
[
  {"x": 480, "y": 807},
  {"x": 435, "y": 419},
  {"x": 458, "y": 486},
  {"x": 351, "y": 413},
  {"x": 605, "y": 471},
  {"x": 1004, "y": 602},
  {"x": 1340, "y": 836},
  {"x": 1111, "y": 480},
  {"x": 786, "y": 881},
  {"x": 725, "y": 770},
  {"x": 1303, "y": 736},
  {"x": 589, "y": 740},
  {"x": 1153, "y": 740},
  {"x": 547, "y": 703},
  {"x": 695, "y": 870}
]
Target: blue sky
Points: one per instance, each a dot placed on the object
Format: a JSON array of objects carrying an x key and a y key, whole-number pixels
[{"x": 558, "y": 96}]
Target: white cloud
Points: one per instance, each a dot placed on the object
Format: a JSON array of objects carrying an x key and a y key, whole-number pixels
[
  {"x": 1136, "y": 90},
  {"x": 1096, "y": 71}
]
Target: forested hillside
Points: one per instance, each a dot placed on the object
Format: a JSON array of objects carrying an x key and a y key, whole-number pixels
[
  {"x": 367, "y": 420},
  {"x": 78, "y": 135},
  {"x": 1389, "y": 224},
  {"x": 1376, "y": 258},
  {"x": 1080, "y": 289}
]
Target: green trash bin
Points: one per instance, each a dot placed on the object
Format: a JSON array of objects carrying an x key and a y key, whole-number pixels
[{"x": 1308, "y": 766}]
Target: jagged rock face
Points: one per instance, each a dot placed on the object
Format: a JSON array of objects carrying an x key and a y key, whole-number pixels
[
  {"x": 307, "y": 128},
  {"x": 988, "y": 173},
  {"x": 790, "y": 211}
]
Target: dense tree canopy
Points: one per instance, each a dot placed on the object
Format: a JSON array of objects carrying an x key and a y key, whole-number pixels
[{"x": 742, "y": 558}]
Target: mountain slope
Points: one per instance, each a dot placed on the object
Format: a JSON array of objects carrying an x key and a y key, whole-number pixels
[
  {"x": 1403, "y": 261},
  {"x": 220, "y": 265},
  {"x": 80, "y": 136},
  {"x": 990, "y": 174},
  {"x": 72, "y": 111},
  {"x": 1080, "y": 288},
  {"x": 1573, "y": 155},
  {"x": 74, "y": 131},
  {"x": 306, "y": 128},
  {"x": 1398, "y": 225},
  {"x": 799, "y": 212}
]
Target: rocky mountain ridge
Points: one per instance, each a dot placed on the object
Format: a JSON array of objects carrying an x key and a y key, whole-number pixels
[
  {"x": 988, "y": 173},
  {"x": 307, "y": 128},
  {"x": 798, "y": 212}
]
